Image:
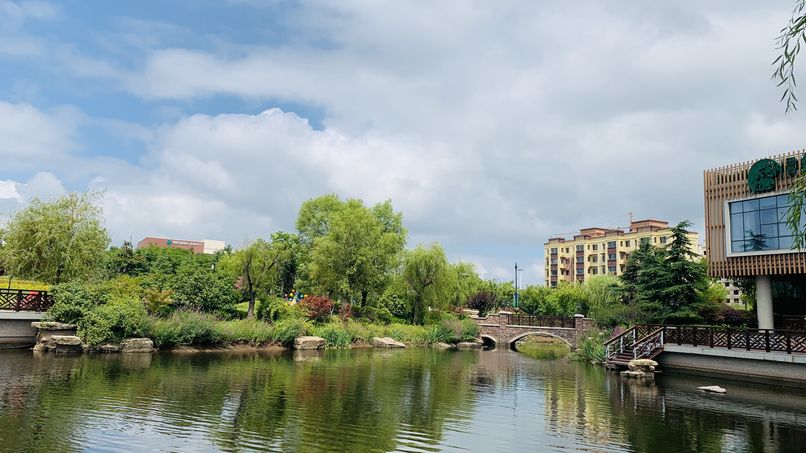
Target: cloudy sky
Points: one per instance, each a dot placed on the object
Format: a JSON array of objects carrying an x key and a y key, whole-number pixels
[{"x": 491, "y": 125}]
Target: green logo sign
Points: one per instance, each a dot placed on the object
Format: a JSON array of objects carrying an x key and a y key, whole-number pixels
[
  {"x": 169, "y": 242},
  {"x": 761, "y": 177}
]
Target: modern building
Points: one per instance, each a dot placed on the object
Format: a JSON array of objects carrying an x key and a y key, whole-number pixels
[
  {"x": 604, "y": 251},
  {"x": 204, "y": 246},
  {"x": 747, "y": 235}
]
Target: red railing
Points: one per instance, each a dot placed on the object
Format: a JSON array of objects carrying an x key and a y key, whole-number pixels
[
  {"x": 517, "y": 319},
  {"x": 25, "y": 300}
]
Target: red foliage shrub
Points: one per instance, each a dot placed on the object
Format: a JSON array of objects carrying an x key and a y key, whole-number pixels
[
  {"x": 317, "y": 308},
  {"x": 345, "y": 312}
]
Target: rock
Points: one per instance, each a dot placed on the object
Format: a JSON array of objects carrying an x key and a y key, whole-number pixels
[
  {"x": 64, "y": 343},
  {"x": 52, "y": 325},
  {"x": 442, "y": 345},
  {"x": 110, "y": 347},
  {"x": 712, "y": 389},
  {"x": 638, "y": 374},
  {"x": 386, "y": 342},
  {"x": 478, "y": 344},
  {"x": 642, "y": 365},
  {"x": 132, "y": 345},
  {"x": 309, "y": 342}
]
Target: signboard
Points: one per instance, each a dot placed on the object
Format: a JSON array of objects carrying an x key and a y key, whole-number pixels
[{"x": 763, "y": 174}]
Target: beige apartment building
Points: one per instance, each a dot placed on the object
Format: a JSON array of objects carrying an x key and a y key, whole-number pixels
[{"x": 603, "y": 251}]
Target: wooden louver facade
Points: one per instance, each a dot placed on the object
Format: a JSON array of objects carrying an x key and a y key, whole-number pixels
[{"x": 729, "y": 183}]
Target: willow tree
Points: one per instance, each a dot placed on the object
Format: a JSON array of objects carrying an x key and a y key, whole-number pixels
[
  {"x": 56, "y": 241},
  {"x": 429, "y": 279}
]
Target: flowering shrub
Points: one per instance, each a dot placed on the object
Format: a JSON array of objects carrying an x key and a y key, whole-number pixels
[{"x": 317, "y": 308}]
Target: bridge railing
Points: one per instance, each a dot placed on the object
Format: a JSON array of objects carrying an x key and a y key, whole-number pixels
[
  {"x": 518, "y": 319},
  {"x": 25, "y": 300}
]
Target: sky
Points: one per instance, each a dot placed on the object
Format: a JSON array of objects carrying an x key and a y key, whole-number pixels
[{"x": 491, "y": 125}]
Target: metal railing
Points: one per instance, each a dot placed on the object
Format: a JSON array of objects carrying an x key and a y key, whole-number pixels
[
  {"x": 517, "y": 319},
  {"x": 25, "y": 300},
  {"x": 620, "y": 343}
]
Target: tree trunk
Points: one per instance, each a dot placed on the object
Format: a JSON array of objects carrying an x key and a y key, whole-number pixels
[
  {"x": 364, "y": 298},
  {"x": 250, "y": 312}
]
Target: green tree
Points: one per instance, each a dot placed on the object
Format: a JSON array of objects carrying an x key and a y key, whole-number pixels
[
  {"x": 466, "y": 282},
  {"x": 428, "y": 276},
  {"x": 56, "y": 241},
  {"x": 126, "y": 260},
  {"x": 313, "y": 219},
  {"x": 603, "y": 301},
  {"x": 685, "y": 276},
  {"x": 198, "y": 286},
  {"x": 533, "y": 299},
  {"x": 354, "y": 259}
]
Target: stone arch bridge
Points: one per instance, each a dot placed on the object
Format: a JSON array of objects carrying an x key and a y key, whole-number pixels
[{"x": 507, "y": 328}]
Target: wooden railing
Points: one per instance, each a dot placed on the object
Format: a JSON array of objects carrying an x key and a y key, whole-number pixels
[
  {"x": 647, "y": 340},
  {"x": 518, "y": 319},
  {"x": 25, "y": 300}
]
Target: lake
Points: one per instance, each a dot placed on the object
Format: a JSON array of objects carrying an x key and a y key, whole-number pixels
[{"x": 412, "y": 400}]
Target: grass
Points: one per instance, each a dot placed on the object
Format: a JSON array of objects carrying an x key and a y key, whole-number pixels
[
  {"x": 543, "y": 348},
  {"x": 17, "y": 283}
]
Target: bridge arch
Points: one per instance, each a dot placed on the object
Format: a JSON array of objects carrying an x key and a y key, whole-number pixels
[
  {"x": 537, "y": 333},
  {"x": 489, "y": 341}
]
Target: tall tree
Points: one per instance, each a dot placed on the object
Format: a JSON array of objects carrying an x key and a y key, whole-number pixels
[
  {"x": 355, "y": 257},
  {"x": 685, "y": 276},
  {"x": 428, "y": 275},
  {"x": 56, "y": 241},
  {"x": 313, "y": 219}
]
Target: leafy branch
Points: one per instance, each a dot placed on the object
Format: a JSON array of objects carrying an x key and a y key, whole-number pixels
[{"x": 788, "y": 42}]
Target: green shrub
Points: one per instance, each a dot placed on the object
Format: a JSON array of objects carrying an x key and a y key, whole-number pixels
[
  {"x": 287, "y": 329},
  {"x": 591, "y": 349},
  {"x": 365, "y": 332},
  {"x": 73, "y": 300},
  {"x": 469, "y": 330},
  {"x": 120, "y": 318},
  {"x": 275, "y": 309},
  {"x": 184, "y": 328},
  {"x": 407, "y": 333},
  {"x": 373, "y": 315},
  {"x": 336, "y": 335},
  {"x": 244, "y": 331}
]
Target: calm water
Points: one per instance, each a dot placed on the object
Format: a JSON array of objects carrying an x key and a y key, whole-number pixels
[{"x": 411, "y": 400}]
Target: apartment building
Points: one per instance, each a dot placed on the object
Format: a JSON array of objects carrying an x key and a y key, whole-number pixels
[{"x": 604, "y": 251}]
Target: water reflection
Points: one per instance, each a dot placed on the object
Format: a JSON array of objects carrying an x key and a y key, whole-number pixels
[{"x": 412, "y": 400}]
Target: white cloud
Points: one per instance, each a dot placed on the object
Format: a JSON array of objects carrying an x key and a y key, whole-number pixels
[{"x": 30, "y": 135}]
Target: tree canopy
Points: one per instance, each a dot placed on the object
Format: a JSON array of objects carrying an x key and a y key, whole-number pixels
[{"x": 56, "y": 241}]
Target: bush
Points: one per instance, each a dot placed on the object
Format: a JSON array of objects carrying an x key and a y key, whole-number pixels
[
  {"x": 158, "y": 302},
  {"x": 335, "y": 335},
  {"x": 317, "y": 308},
  {"x": 483, "y": 301},
  {"x": 184, "y": 328},
  {"x": 591, "y": 349},
  {"x": 374, "y": 315},
  {"x": 407, "y": 333},
  {"x": 197, "y": 287},
  {"x": 396, "y": 304},
  {"x": 73, "y": 300},
  {"x": 121, "y": 318},
  {"x": 275, "y": 309},
  {"x": 730, "y": 316},
  {"x": 287, "y": 329},
  {"x": 244, "y": 331}
]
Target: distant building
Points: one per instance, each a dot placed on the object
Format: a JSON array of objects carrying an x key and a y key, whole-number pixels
[
  {"x": 604, "y": 251},
  {"x": 204, "y": 246}
]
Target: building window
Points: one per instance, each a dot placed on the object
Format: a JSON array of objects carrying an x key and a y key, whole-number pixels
[
  {"x": 594, "y": 258},
  {"x": 554, "y": 251},
  {"x": 595, "y": 247},
  {"x": 611, "y": 244},
  {"x": 663, "y": 239},
  {"x": 580, "y": 270},
  {"x": 595, "y": 271},
  {"x": 735, "y": 292},
  {"x": 611, "y": 269},
  {"x": 760, "y": 224},
  {"x": 554, "y": 261},
  {"x": 580, "y": 259},
  {"x": 611, "y": 256},
  {"x": 580, "y": 248},
  {"x": 644, "y": 241}
]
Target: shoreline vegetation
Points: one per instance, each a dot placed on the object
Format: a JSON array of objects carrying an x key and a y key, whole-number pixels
[{"x": 345, "y": 275}]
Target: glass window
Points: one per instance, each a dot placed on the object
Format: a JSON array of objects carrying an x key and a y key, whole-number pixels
[
  {"x": 611, "y": 244},
  {"x": 760, "y": 224},
  {"x": 663, "y": 239},
  {"x": 611, "y": 256},
  {"x": 554, "y": 250},
  {"x": 611, "y": 269},
  {"x": 580, "y": 248}
]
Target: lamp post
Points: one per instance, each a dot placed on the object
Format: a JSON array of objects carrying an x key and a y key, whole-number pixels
[{"x": 517, "y": 296}]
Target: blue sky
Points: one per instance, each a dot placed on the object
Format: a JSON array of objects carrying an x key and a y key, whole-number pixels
[{"x": 491, "y": 125}]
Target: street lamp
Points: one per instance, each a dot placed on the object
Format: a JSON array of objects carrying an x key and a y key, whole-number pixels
[{"x": 517, "y": 296}]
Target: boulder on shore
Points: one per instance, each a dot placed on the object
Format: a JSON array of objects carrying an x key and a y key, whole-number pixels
[
  {"x": 478, "y": 344},
  {"x": 386, "y": 342},
  {"x": 64, "y": 343},
  {"x": 442, "y": 345},
  {"x": 712, "y": 389},
  {"x": 137, "y": 345},
  {"x": 309, "y": 342}
]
